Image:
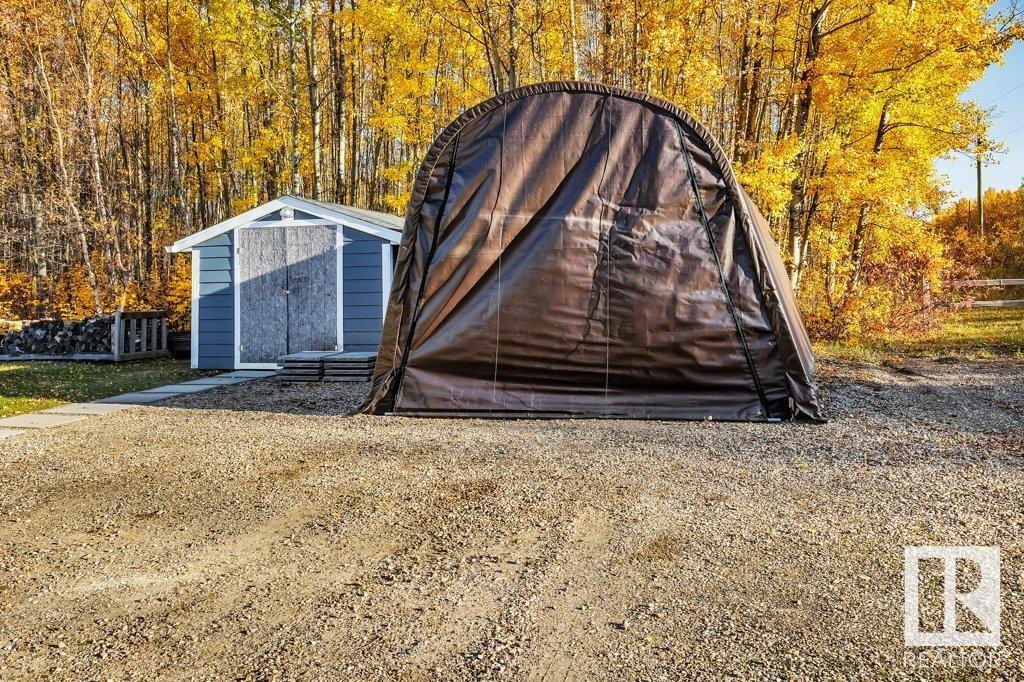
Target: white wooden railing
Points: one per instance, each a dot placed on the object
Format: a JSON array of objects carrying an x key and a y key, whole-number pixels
[{"x": 971, "y": 283}]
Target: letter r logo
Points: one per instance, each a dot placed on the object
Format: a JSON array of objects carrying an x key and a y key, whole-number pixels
[{"x": 982, "y": 601}]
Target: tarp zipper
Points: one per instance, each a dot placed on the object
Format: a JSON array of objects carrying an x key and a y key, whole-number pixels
[{"x": 740, "y": 333}]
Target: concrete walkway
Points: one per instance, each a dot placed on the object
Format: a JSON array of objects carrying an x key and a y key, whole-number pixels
[{"x": 68, "y": 414}]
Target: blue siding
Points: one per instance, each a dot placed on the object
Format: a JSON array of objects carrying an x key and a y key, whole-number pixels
[
  {"x": 213, "y": 288},
  {"x": 210, "y": 276},
  {"x": 362, "y": 280},
  {"x": 218, "y": 324},
  {"x": 216, "y": 304},
  {"x": 364, "y": 286},
  {"x": 363, "y": 325},
  {"x": 216, "y": 263},
  {"x": 216, "y": 252},
  {"x": 219, "y": 240},
  {"x": 363, "y": 272},
  {"x": 362, "y": 341}
]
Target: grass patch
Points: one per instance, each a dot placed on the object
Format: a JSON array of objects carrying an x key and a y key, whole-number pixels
[
  {"x": 969, "y": 334},
  {"x": 30, "y": 386}
]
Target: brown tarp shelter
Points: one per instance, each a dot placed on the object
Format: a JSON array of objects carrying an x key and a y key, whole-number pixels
[{"x": 578, "y": 250}]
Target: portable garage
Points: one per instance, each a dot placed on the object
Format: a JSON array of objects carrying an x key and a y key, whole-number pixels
[
  {"x": 291, "y": 275},
  {"x": 573, "y": 249}
]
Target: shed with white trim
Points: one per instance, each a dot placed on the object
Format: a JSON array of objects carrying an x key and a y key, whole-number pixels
[{"x": 290, "y": 275}]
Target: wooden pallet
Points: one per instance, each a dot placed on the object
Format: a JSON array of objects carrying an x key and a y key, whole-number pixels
[
  {"x": 350, "y": 367},
  {"x": 306, "y": 366},
  {"x": 311, "y": 366}
]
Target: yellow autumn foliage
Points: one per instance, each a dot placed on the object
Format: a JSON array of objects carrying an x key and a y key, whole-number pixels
[{"x": 124, "y": 126}]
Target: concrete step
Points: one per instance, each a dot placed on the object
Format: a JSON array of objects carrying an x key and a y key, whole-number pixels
[
  {"x": 85, "y": 408},
  {"x": 39, "y": 420},
  {"x": 135, "y": 398}
]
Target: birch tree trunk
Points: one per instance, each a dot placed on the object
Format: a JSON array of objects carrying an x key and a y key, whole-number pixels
[
  {"x": 860, "y": 231},
  {"x": 295, "y": 181},
  {"x": 178, "y": 213},
  {"x": 309, "y": 35},
  {"x": 799, "y": 214},
  {"x": 338, "y": 98}
]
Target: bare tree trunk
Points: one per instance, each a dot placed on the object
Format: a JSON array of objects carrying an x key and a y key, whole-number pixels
[
  {"x": 799, "y": 214},
  {"x": 574, "y": 41},
  {"x": 147, "y": 158},
  {"x": 295, "y": 183},
  {"x": 178, "y": 213},
  {"x": 860, "y": 231},
  {"x": 338, "y": 138},
  {"x": 65, "y": 182},
  {"x": 979, "y": 155},
  {"x": 314, "y": 100},
  {"x": 227, "y": 185},
  {"x": 605, "y": 43},
  {"x": 353, "y": 147},
  {"x": 118, "y": 274},
  {"x": 513, "y": 44}
]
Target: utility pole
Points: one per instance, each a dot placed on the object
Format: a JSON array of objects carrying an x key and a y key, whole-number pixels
[{"x": 981, "y": 196}]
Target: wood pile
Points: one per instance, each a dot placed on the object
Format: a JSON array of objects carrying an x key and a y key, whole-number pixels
[{"x": 57, "y": 337}]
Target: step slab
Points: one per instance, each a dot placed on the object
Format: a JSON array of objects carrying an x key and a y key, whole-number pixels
[
  {"x": 85, "y": 408},
  {"x": 248, "y": 374},
  {"x": 136, "y": 398},
  {"x": 217, "y": 381},
  {"x": 38, "y": 420},
  {"x": 179, "y": 389}
]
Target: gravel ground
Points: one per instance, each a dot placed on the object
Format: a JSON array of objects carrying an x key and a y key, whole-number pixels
[{"x": 254, "y": 532}]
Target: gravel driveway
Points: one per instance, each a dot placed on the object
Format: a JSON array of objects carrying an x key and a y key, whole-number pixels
[{"x": 254, "y": 532}]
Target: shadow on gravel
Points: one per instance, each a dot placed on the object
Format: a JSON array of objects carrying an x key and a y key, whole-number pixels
[
  {"x": 981, "y": 396},
  {"x": 271, "y": 395}
]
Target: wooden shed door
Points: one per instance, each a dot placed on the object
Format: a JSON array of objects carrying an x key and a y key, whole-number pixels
[{"x": 288, "y": 291}]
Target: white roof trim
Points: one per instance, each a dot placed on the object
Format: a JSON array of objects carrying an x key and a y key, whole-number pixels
[{"x": 187, "y": 243}]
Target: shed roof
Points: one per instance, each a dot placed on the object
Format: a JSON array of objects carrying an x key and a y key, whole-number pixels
[
  {"x": 385, "y": 220},
  {"x": 382, "y": 225}
]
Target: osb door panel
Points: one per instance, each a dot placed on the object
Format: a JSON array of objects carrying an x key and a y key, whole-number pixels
[
  {"x": 312, "y": 288},
  {"x": 262, "y": 294}
]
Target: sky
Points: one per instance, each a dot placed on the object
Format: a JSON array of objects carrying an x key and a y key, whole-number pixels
[{"x": 1002, "y": 87}]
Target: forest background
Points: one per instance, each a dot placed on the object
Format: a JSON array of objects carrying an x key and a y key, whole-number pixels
[{"x": 127, "y": 124}]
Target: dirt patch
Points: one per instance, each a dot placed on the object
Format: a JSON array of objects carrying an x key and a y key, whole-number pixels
[
  {"x": 257, "y": 532},
  {"x": 663, "y": 547}
]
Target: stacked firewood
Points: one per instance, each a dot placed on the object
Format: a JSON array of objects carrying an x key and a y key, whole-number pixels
[{"x": 58, "y": 337}]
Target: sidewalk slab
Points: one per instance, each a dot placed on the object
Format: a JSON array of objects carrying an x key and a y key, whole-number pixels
[
  {"x": 135, "y": 398},
  {"x": 216, "y": 381},
  {"x": 4, "y": 433},
  {"x": 38, "y": 420},
  {"x": 251, "y": 373},
  {"x": 178, "y": 389},
  {"x": 85, "y": 408}
]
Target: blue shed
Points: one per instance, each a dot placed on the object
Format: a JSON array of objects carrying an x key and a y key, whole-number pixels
[{"x": 291, "y": 275}]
